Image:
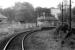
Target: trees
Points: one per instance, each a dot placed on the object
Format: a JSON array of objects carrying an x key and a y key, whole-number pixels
[
  {"x": 40, "y": 11},
  {"x": 66, "y": 15},
  {"x": 73, "y": 14},
  {"x": 24, "y": 12},
  {"x": 1, "y": 10},
  {"x": 21, "y": 12},
  {"x": 10, "y": 13},
  {"x": 66, "y": 12}
]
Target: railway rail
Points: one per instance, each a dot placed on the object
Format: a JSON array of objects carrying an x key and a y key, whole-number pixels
[
  {"x": 4, "y": 41},
  {"x": 16, "y": 42}
]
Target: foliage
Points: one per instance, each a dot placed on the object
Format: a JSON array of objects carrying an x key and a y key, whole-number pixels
[
  {"x": 40, "y": 11},
  {"x": 10, "y": 13},
  {"x": 73, "y": 14},
  {"x": 21, "y": 12},
  {"x": 24, "y": 12},
  {"x": 66, "y": 15}
]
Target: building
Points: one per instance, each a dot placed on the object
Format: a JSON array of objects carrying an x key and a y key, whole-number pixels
[
  {"x": 55, "y": 12},
  {"x": 47, "y": 21},
  {"x": 51, "y": 20},
  {"x": 3, "y": 19}
]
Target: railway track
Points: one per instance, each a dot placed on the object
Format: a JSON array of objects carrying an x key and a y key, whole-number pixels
[
  {"x": 16, "y": 42},
  {"x": 4, "y": 41}
]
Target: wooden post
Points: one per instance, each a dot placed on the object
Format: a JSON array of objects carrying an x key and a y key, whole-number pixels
[
  {"x": 62, "y": 13},
  {"x": 70, "y": 16}
]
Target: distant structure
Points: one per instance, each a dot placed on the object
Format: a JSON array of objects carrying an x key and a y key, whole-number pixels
[
  {"x": 44, "y": 21},
  {"x": 48, "y": 21},
  {"x": 65, "y": 4},
  {"x": 55, "y": 12},
  {"x": 3, "y": 18},
  {"x": 51, "y": 20}
]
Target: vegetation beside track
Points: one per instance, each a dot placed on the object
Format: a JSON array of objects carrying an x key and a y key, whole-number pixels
[{"x": 43, "y": 40}]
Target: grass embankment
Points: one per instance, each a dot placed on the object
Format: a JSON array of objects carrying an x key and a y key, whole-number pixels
[
  {"x": 43, "y": 40},
  {"x": 7, "y": 30}
]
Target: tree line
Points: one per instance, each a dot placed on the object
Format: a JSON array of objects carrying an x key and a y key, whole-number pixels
[{"x": 24, "y": 12}]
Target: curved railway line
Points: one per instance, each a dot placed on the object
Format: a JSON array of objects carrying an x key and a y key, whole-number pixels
[
  {"x": 19, "y": 41},
  {"x": 16, "y": 42}
]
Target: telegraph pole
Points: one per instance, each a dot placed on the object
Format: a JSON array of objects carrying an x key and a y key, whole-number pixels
[
  {"x": 69, "y": 16},
  {"x": 62, "y": 13}
]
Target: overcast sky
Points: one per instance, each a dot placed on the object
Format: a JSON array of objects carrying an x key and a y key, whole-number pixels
[{"x": 35, "y": 3}]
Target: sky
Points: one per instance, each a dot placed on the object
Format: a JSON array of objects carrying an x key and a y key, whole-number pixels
[{"x": 35, "y": 3}]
